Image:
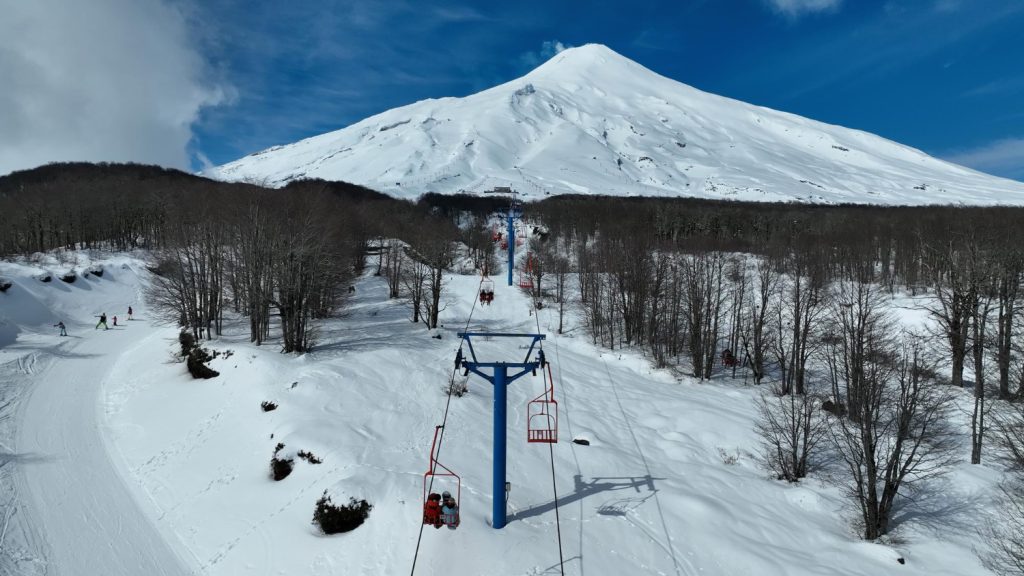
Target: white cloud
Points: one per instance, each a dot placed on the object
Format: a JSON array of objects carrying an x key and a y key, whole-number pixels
[
  {"x": 103, "y": 80},
  {"x": 551, "y": 47},
  {"x": 1002, "y": 158},
  {"x": 547, "y": 50},
  {"x": 794, "y": 8}
]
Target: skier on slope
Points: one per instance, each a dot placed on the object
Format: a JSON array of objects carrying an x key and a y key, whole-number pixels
[
  {"x": 102, "y": 322},
  {"x": 63, "y": 329},
  {"x": 115, "y": 320},
  {"x": 129, "y": 312}
]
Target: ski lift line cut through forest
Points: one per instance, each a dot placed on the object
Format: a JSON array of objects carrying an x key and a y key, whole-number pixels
[{"x": 438, "y": 442}]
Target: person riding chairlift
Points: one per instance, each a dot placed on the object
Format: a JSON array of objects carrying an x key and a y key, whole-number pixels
[
  {"x": 449, "y": 511},
  {"x": 432, "y": 510}
]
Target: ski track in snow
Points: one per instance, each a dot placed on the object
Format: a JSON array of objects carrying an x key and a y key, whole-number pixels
[
  {"x": 66, "y": 508},
  {"x": 90, "y": 517}
]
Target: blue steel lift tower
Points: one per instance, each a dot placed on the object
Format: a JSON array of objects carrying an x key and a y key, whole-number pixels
[
  {"x": 514, "y": 212},
  {"x": 500, "y": 378}
]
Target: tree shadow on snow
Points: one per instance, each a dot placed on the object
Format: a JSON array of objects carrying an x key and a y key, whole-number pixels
[
  {"x": 938, "y": 507},
  {"x": 26, "y": 458}
]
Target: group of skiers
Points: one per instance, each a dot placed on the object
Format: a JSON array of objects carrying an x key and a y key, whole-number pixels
[
  {"x": 102, "y": 322},
  {"x": 441, "y": 510}
]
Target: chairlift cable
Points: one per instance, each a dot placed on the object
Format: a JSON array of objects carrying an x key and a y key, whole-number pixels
[
  {"x": 440, "y": 439},
  {"x": 546, "y": 375}
]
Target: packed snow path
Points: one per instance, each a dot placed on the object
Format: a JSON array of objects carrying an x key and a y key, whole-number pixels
[
  {"x": 73, "y": 486},
  {"x": 71, "y": 512}
]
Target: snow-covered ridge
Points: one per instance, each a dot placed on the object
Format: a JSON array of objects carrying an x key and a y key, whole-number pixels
[{"x": 591, "y": 121}]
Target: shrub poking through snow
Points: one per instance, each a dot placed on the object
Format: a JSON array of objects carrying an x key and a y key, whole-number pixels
[
  {"x": 5, "y": 284},
  {"x": 197, "y": 360},
  {"x": 280, "y": 468},
  {"x": 69, "y": 277},
  {"x": 269, "y": 406},
  {"x": 45, "y": 277},
  {"x": 334, "y": 519},
  {"x": 187, "y": 341},
  {"x": 96, "y": 271},
  {"x": 309, "y": 457},
  {"x": 197, "y": 357}
]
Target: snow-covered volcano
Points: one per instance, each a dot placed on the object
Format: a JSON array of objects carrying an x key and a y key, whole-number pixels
[{"x": 594, "y": 122}]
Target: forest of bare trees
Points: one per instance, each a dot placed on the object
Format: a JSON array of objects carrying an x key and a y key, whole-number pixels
[
  {"x": 280, "y": 259},
  {"x": 802, "y": 298}
]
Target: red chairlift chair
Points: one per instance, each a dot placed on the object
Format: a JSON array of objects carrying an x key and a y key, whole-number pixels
[
  {"x": 432, "y": 475},
  {"x": 542, "y": 415},
  {"x": 526, "y": 273}
]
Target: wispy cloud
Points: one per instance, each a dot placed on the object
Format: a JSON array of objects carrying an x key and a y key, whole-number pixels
[
  {"x": 797, "y": 8},
  {"x": 458, "y": 14},
  {"x": 103, "y": 80},
  {"x": 997, "y": 87},
  {"x": 1003, "y": 158},
  {"x": 548, "y": 49},
  {"x": 948, "y": 5}
]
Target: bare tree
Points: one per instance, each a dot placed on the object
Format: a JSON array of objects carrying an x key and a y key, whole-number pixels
[
  {"x": 414, "y": 281},
  {"x": 791, "y": 429},
  {"x": 758, "y": 307},
  {"x": 1006, "y": 531},
  {"x": 802, "y": 302},
  {"x": 950, "y": 271},
  {"x": 896, "y": 434},
  {"x": 704, "y": 295},
  {"x": 1010, "y": 274}
]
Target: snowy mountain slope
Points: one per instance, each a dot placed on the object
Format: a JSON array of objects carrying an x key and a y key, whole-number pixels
[{"x": 591, "y": 121}]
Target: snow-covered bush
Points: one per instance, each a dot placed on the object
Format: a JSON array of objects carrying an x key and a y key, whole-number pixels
[
  {"x": 333, "y": 519},
  {"x": 309, "y": 457},
  {"x": 196, "y": 364},
  {"x": 268, "y": 406},
  {"x": 5, "y": 284},
  {"x": 280, "y": 468},
  {"x": 196, "y": 357},
  {"x": 187, "y": 342},
  {"x": 69, "y": 277}
]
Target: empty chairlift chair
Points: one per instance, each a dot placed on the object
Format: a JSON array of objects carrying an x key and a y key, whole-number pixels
[
  {"x": 542, "y": 415},
  {"x": 526, "y": 273}
]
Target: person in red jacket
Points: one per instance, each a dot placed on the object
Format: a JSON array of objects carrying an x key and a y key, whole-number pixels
[{"x": 432, "y": 510}]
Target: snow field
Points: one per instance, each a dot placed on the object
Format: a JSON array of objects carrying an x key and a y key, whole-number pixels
[{"x": 670, "y": 483}]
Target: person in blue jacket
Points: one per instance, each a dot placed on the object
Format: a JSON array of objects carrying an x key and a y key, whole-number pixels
[{"x": 449, "y": 511}]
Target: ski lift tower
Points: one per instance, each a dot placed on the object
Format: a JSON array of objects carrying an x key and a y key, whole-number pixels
[
  {"x": 500, "y": 377},
  {"x": 514, "y": 212}
]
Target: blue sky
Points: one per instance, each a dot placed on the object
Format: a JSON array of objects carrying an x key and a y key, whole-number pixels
[
  {"x": 945, "y": 76},
  {"x": 232, "y": 77}
]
